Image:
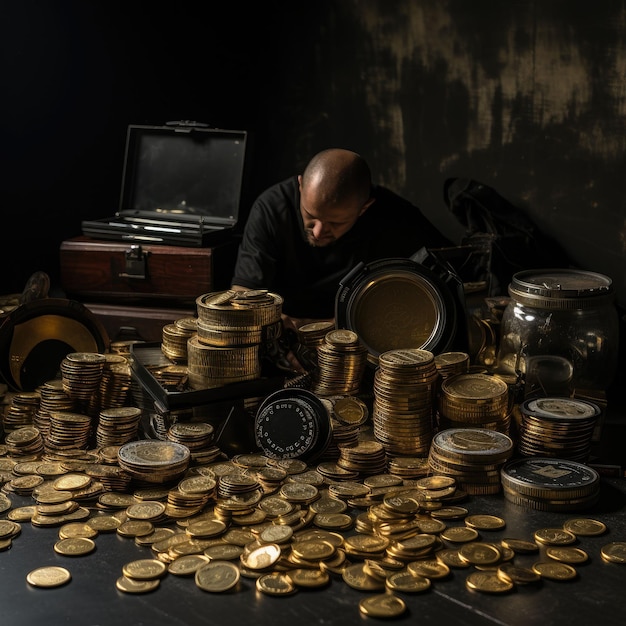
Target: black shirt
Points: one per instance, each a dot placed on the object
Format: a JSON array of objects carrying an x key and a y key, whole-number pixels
[{"x": 274, "y": 252}]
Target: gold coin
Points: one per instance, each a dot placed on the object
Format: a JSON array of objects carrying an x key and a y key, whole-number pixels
[
  {"x": 485, "y": 522},
  {"x": 554, "y": 536},
  {"x": 517, "y": 574},
  {"x": 488, "y": 581},
  {"x": 555, "y": 570},
  {"x": 520, "y": 546},
  {"x": 303, "y": 577},
  {"x": 585, "y": 527},
  {"x": 144, "y": 569},
  {"x": 135, "y": 528},
  {"x": 480, "y": 553},
  {"x": 74, "y": 546},
  {"x": 567, "y": 554},
  {"x": 459, "y": 534},
  {"x": 275, "y": 584},
  {"x": 72, "y": 482},
  {"x": 384, "y": 605},
  {"x": 104, "y": 523},
  {"x": 217, "y": 576},
  {"x": 223, "y": 552},
  {"x": 406, "y": 582},
  {"x": 614, "y": 552},
  {"x": 188, "y": 564},
  {"x": 130, "y": 585},
  {"x": 451, "y": 558},
  {"x": 51, "y": 576},
  {"x": 355, "y": 576},
  {"x": 77, "y": 529},
  {"x": 428, "y": 568},
  {"x": 276, "y": 533},
  {"x": 262, "y": 557}
]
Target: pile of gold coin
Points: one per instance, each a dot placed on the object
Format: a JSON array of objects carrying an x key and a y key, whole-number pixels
[
  {"x": 115, "y": 382},
  {"x": 81, "y": 373},
  {"x": 472, "y": 456},
  {"x": 117, "y": 426},
  {"x": 405, "y": 385},
  {"x": 550, "y": 484},
  {"x": 557, "y": 427},
  {"x": 474, "y": 400},
  {"x": 21, "y": 410},
  {"x": 174, "y": 338},
  {"x": 53, "y": 398},
  {"x": 68, "y": 431},
  {"x": 232, "y": 327},
  {"x": 451, "y": 363},
  {"x": 153, "y": 461},
  {"x": 341, "y": 363}
]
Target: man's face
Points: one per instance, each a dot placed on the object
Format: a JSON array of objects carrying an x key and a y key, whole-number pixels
[{"x": 323, "y": 223}]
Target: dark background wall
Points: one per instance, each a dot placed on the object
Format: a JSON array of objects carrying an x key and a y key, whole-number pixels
[{"x": 527, "y": 96}]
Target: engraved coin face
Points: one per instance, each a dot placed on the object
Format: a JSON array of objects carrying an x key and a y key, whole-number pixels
[
  {"x": 585, "y": 527},
  {"x": 488, "y": 582},
  {"x": 555, "y": 570},
  {"x": 74, "y": 546},
  {"x": 217, "y": 576},
  {"x": 275, "y": 584},
  {"x": 384, "y": 605},
  {"x": 130, "y": 585},
  {"x": 144, "y": 569},
  {"x": 614, "y": 552},
  {"x": 48, "y": 576}
]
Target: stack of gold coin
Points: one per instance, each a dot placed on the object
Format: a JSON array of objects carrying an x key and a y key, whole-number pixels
[
  {"x": 238, "y": 318},
  {"x": 312, "y": 336},
  {"x": 153, "y": 461},
  {"x": 174, "y": 338},
  {"x": 451, "y": 363},
  {"x": 550, "y": 484},
  {"x": 472, "y": 456},
  {"x": 195, "y": 435},
  {"x": 24, "y": 441},
  {"x": 53, "y": 398},
  {"x": 210, "y": 366},
  {"x": 115, "y": 383},
  {"x": 367, "y": 458},
  {"x": 341, "y": 363},
  {"x": 474, "y": 400},
  {"x": 68, "y": 431},
  {"x": 81, "y": 373},
  {"x": 232, "y": 327},
  {"x": 118, "y": 425},
  {"x": 404, "y": 391},
  {"x": 557, "y": 427},
  {"x": 21, "y": 411}
]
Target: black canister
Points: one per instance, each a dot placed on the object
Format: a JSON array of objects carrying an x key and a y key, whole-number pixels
[{"x": 560, "y": 331}]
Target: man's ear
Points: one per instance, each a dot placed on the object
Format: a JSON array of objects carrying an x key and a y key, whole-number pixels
[{"x": 366, "y": 206}]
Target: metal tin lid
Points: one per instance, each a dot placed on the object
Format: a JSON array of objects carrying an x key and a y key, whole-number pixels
[
  {"x": 561, "y": 288},
  {"x": 395, "y": 304},
  {"x": 36, "y": 336},
  {"x": 292, "y": 423}
]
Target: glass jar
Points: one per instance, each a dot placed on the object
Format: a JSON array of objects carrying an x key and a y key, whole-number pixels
[{"x": 559, "y": 331}]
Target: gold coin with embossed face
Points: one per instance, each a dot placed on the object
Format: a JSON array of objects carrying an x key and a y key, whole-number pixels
[
  {"x": 480, "y": 553},
  {"x": 384, "y": 605},
  {"x": 275, "y": 584},
  {"x": 554, "y": 536},
  {"x": 144, "y": 569},
  {"x": 52, "y": 576},
  {"x": 406, "y": 582},
  {"x": 555, "y": 570},
  {"x": 187, "y": 565},
  {"x": 567, "y": 554},
  {"x": 488, "y": 581},
  {"x": 585, "y": 527},
  {"x": 485, "y": 522},
  {"x": 217, "y": 576},
  {"x": 74, "y": 546}
]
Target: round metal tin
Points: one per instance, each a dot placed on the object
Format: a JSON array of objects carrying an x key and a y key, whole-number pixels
[{"x": 396, "y": 304}]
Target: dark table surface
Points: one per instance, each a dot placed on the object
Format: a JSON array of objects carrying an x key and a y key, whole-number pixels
[{"x": 91, "y": 597}]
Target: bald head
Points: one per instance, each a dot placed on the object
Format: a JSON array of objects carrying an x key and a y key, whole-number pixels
[
  {"x": 337, "y": 176},
  {"x": 335, "y": 191}
]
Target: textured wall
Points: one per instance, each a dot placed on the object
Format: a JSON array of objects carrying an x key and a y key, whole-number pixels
[{"x": 527, "y": 96}]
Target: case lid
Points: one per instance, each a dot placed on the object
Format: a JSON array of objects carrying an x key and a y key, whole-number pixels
[{"x": 183, "y": 171}]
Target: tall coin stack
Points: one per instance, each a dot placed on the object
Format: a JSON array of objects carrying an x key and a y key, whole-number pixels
[
  {"x": 232, "y": 327},
  {"x": 474, "y": 401},
  {"x": 341, "y": 363},
  {"x": 174, "y": 338},
  {"x": 405, "y": 385}
]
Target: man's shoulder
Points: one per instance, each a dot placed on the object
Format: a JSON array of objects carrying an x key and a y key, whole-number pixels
[
  {"x": 280, "y": 194},
  {"x": 387, "y": 197}
]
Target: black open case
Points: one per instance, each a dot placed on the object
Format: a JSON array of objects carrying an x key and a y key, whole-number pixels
[{"x": 182, "y": 185}]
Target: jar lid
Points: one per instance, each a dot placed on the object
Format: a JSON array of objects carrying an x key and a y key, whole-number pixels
[{"x": 561, "y": 288}]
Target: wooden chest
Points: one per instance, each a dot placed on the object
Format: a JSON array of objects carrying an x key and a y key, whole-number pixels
[{"x": 104, "y": 271}]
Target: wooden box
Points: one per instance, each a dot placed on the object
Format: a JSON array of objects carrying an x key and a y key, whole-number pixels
[{"x": 94, "y": 270}]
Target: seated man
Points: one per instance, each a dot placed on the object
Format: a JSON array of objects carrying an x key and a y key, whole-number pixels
[{"x": 304, "y": 234}]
